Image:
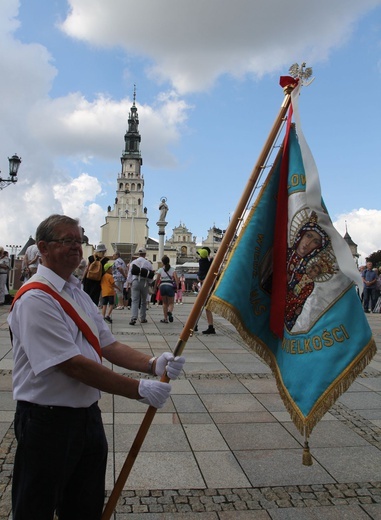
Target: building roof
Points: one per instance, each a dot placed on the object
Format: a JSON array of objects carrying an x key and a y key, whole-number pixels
[
  {"x": 349, "y": 240},
  {"x": 30, "y": 242}
]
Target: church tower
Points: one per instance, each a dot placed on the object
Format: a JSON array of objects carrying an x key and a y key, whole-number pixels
[
  {"x": 126, "y": 227},
  {"x": 352, "y": 245}
]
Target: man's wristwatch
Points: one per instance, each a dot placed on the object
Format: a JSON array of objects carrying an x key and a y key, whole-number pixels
[{"x": 151, "y": 365}]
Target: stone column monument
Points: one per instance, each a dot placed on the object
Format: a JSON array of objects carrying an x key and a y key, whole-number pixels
[{"x": 163, "y": 208}]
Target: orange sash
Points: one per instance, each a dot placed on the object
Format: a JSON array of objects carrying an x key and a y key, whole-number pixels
[{"x": 68, "y": 308}]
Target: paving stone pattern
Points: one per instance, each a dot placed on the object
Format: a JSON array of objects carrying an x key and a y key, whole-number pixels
[{"x": 333, "y": 499}]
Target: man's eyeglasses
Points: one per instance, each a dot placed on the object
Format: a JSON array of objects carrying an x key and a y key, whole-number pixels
[{"x": 68, "y": 241}]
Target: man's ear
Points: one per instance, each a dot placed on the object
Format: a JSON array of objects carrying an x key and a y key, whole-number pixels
[{"x": 42, "y": 247}]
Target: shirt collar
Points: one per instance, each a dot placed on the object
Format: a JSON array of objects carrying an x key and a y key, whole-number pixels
[{"x": 55, "y": 280}]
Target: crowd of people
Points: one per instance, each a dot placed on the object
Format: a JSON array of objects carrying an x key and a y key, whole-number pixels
[
  {"x": 118, "y": 287},
  {"x": 122, "y": 288},
  {"x": 137, "y": 285},
  {"x": 114, "y": 285}
]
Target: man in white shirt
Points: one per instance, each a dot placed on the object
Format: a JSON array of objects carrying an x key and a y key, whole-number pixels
[
  {"x": 139, "y": 285},
  {"x": 31, "y": 259},
  {"x": 58, "y": 340}
]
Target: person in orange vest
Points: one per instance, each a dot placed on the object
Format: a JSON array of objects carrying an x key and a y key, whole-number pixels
[{"x": 108, "y": 292}]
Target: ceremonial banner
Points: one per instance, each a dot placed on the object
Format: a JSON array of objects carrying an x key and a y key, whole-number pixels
[{"x": 326, "y": 340}]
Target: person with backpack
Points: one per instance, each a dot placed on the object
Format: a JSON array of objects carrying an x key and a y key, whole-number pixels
[
  {"x": 94, "y": 272},
  {"x": 167, "y": 281}
]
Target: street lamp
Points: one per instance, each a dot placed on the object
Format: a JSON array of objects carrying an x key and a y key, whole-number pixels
[
  {"x": 14, "y": 163},
  {"x": 14, "y": 249}
]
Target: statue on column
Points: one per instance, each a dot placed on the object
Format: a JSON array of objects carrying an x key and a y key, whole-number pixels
[{"x": 163, "y": 209}]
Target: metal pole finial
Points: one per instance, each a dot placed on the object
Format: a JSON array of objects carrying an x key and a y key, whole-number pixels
[{"x": 301, "y": 72}]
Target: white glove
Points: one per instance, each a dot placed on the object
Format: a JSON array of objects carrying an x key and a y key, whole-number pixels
[
  {"x": 173, "y": 365},
  {"x": 154, "y": 393}
]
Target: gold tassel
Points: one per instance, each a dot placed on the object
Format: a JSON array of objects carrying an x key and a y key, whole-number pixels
[{"x": 307, "y": 459}]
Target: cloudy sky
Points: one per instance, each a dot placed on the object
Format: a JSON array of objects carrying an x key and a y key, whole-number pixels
[{"x": 206, "y": 74}]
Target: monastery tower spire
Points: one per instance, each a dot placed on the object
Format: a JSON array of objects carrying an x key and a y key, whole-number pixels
[
  {"x": 130, "y": 189},
  {"x": 126, "y": 227}
]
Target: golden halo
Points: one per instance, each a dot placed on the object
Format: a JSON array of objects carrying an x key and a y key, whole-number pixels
[{"x": 300, "y": 218}]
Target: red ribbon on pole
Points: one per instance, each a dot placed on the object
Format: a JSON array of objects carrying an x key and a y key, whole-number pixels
[{"x": 279, "y": 283}]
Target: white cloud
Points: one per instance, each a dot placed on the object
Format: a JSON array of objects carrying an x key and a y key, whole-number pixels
[
  {"x": 188, "y": 44},
  {"x": 74, "y": 197},
  {"x": 77, "y": 200},
  {"x": 56, "y": 136},
  {"x": 74, "y": 126},
  {"x": 364, "y": 227},
  {"x": 192, "y": 43}
]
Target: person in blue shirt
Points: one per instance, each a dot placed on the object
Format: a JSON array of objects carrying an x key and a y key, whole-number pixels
[{"x": 370, "y": 280}]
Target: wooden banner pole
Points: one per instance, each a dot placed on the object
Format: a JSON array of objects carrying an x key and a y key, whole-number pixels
[{"x": 201, "y": 299}]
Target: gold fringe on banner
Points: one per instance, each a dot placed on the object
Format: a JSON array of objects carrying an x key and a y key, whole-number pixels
[{"x": 304, "y": 424}]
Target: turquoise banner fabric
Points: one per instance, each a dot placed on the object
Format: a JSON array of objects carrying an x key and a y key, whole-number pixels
[{"x": 327, "y": 341}]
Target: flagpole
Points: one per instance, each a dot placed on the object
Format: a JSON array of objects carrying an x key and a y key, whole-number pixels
[
  {"x": 235, "y": 221},
  {"x": 202, "y": 296}
]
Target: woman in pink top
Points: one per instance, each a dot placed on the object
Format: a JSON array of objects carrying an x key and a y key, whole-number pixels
[{"x": 180, "y": 289}]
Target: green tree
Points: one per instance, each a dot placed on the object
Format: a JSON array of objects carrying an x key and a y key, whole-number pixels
[{"x": 375, "y": 258}]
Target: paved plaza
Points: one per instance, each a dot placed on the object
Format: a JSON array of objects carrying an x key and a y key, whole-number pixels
[{"x": 224, "y": 447}]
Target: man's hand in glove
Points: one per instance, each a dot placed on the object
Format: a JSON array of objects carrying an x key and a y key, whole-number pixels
[
  {"x": 153, "y": 393},
  {"x": 172, "y": 365}
]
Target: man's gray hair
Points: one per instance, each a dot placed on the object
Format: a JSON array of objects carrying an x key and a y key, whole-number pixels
[{"x": 46, "y": 230}]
